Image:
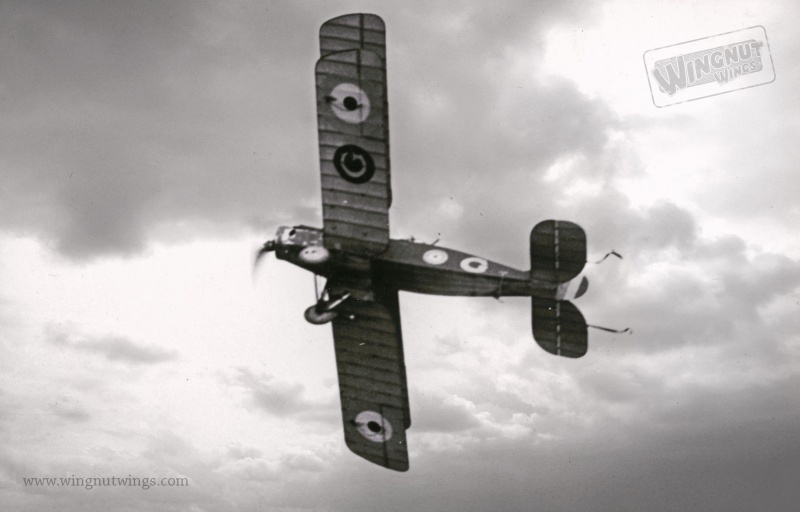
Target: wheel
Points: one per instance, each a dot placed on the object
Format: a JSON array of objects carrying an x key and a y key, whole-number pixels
[
  {"x": 314, "y": 255},
  {"x": 313, "y": 317}
]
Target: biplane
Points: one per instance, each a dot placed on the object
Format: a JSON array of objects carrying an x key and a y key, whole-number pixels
[{"x": 365, "y": 269}]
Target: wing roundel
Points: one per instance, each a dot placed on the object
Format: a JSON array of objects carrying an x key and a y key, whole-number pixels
[{"x": 353, "y": 134}]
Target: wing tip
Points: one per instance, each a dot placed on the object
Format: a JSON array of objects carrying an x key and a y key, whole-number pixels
[
  {"x": 365, "y": 19},
  {"x": 400, "y": 465}
]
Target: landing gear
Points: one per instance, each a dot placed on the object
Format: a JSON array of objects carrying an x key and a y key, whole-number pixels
[
  {"x": 323, "y": 311},
  {"x": 318, "y": 316}
]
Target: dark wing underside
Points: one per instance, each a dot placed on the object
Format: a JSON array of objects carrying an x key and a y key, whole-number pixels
[
  {"x": 352, "y": 117},
  {"x": 372, "y": 379}
]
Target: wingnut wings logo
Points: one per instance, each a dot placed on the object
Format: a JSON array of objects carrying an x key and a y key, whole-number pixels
[
  {"x": 721, "y": 65},
  {"x": 710, "y": 66}
]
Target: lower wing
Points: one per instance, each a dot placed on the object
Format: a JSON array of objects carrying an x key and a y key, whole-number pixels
[{"x": 372, "y": 379}]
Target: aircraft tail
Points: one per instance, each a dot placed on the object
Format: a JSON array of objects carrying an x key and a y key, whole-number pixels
[{"x": 558, "y": 254}]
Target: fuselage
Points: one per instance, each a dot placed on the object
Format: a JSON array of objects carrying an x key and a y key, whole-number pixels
[{"x": 407, "y": 265}]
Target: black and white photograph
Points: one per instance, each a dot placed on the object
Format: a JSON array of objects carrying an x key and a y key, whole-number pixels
[{"x": 358, "y": 256}]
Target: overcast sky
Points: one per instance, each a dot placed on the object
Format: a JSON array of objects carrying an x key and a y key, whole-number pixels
[{"x": 148, "y": 148}]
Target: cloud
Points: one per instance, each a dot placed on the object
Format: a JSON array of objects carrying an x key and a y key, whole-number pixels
[
  {"x": 238, "y": 451},
  {"x": 666, "y": 454},
  {"x": 125, "y": 124},
  {"x": 123, "y": 118},
  {"x": 465, "y": 165},
  {"x": 303, "y": 460},
  {"x": 435, "y": 411},
  {"x": 281, "y": 399},
  {"x": 113, "y": 348},
  {"x": 73, "y": 414}
]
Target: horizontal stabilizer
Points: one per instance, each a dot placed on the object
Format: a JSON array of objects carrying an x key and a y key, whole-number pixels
[
  {"x": 558, "y": 251},
  {"x": 559, "y": 327}
]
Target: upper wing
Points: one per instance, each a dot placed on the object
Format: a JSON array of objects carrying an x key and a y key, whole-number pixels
[
  {"x": 352, "y": 115},
  {"x": 351, "y": 32},
  {"x": 372, "y": 379}
]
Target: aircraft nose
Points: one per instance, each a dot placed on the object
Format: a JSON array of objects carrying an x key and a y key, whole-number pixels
[{"x": 268, "y": 246}]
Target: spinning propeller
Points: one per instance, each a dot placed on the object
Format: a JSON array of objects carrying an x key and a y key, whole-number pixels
[{"x": 269, "y": 246}]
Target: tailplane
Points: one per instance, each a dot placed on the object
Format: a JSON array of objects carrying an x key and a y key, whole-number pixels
[
  {"x": 558, "y": 251},
  {"x": 559, "y": 327},
  {"x": 558, "y": 255}
]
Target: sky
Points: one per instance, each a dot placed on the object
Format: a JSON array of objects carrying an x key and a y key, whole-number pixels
[{"x": 147, "y": 149}]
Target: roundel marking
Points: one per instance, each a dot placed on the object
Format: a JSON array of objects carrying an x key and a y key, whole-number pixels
[
  {"x": 354, "y": 163},
  {"x": 475, "y": 265},
  {"x": 373, "y": 426},
  {"x": 350, "y": 103},
  {"x": 314, "y": 254},
  {"x": 434, "y": 257}
]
